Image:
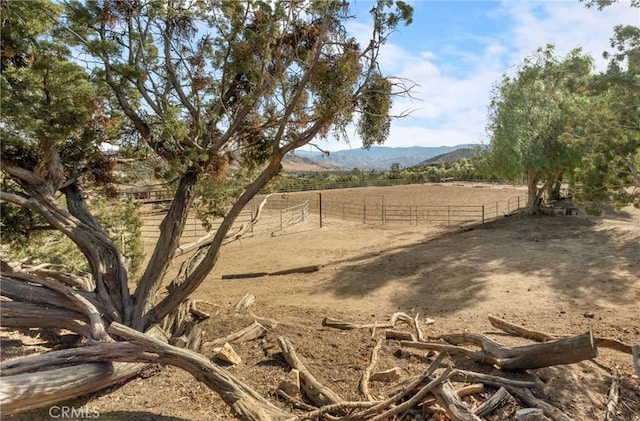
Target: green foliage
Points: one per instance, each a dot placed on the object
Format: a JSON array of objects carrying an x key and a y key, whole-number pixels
[
  {"x": 607, "y": 129},
  {"x": 529, "y": 113},
  {"x": 120, "y": 219},
  {"x": 25, "y": 235},
  {"x": 375, "y": 102}
]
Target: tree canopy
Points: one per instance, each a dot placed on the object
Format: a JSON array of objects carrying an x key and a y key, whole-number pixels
[
  {"x": 217, "y": 90},
  {"x": 528, "y": 114}
]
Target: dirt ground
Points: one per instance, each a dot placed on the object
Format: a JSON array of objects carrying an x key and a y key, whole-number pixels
[{"x": 563, "y": 275}]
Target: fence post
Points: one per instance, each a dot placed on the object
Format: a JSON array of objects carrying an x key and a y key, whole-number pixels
[
  {"x": 448, "y": 216},
  {"x": 364, "y": 214},
  {"x": 496, "y": 209},
  {"x": 483, "y": 214},
  {"x": 508, "y": 205},
  {"x": 320, "y": 207}
]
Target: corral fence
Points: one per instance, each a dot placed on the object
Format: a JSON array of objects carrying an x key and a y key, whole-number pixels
[
  {"x": 273, "y": 219},
  {"x": 374, "y": 210},
  {"x": 294, "y": 215},
  {"x": 287, "y": 211}
]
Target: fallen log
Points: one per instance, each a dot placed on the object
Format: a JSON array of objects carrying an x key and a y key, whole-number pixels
[
  {"x": 227, "y": 354},
  {"x": 245, "y": 302},
  {"x": 364, "y": 380},
  {"x": 342, "y": 325},
  {"x": 449, "y": 399},
  {"x": 242, "y": 399},
  {"x": 415, "y": 399},
  {"x": 388, "y": 376},
  {"x": 399, "y": 335},
  {"x": 249, "y": 333},
  {"x": 549, "y": 410},
  {"x": 318, "y": 393},
  {"x": 495, "y": 381},
  {"x": 494, "y": 402},
  {"x": 302, "y": 269},
  {"x": 612, "y": 399},
  {"x": 407, "y": 388},
  {"x": 472, "y": 389},
  {"x": 521, "y": 331},
  {"x": 244, "y": 275},
  {"x": 560, "y": 351},
  {"x": 539, "y": 336}
]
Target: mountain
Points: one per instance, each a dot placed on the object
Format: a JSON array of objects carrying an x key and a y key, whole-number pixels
[
  {"x": 377, "y": 157},
  {"x": 293, "y": 163},
  {"x": 453, "y": 156}
]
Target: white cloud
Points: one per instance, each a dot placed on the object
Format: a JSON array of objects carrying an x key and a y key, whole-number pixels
[
  {"x": 567, "y": 25},
  {"x": 451, "y": 97}
]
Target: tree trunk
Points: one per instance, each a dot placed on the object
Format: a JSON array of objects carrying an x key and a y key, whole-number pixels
[
  {"x": 171, "y": 229},
  {"x": 533, "y": 204}
]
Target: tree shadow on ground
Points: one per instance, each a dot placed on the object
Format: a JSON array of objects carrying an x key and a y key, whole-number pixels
[{"x": 577, "y": 257}]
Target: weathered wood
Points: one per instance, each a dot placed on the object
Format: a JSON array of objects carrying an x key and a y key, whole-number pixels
[
  {"x": 323, "y": 412},
  {"x": 27, "y": 391},
  {"x": 416, "y": 322},
  {"x": 303, "y": 269},
  {"x": 245, "y": 302},
  {"x": 242, "y": 399},
  {"x": 399, "y": 335},
  {"x": 97, "y": 330},
  {"x": 531, "y": 414},
  {"x": 614, "y": 344},
  {"x": 549, "y": 410},
  {"x": 449, "y": 399},
  {"x": 471, "y": 389},
  {"x": 539, "y": 336},
  {"x": 559, "y": 351},
  {"x": 495, "y": 381},
  {"x": 416, "y": 398},
  {"x": 523, "y": 332},
  {"x": 404, "y": 391},
  {"x": 318, "y": 393},
  {"x": 19, "y": 290},
  {"x": 342, "y": 325},
  {"x": 244, "y": 275},
  {"x": 19, "y": 314},
  {"x": 364, "y": 380},
  {"x": 227, "y": 354},
  {"x": 291, "y": 383},
  {"x": 388, "y": 376},
  {"x": 199, "y": 314},
  {"x": 249, "y": 333},
  {"x": 494, "y": 402},
  {"x": 610, "y": 411}
]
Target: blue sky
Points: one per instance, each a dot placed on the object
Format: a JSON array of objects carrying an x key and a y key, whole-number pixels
[{"x": 456, "y": 50}]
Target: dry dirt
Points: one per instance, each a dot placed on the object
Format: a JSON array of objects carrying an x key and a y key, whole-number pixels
[{"x": 563, "y": 275}]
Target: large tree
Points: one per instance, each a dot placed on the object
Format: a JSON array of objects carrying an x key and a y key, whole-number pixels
[
  {"x": 201, "y": 85},
  {"x": 607, "y": 128},
  {"x": 528, "y": 114}
]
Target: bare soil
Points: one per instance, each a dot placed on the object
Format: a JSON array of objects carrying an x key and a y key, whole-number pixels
[{"x": 563, "y": 275}]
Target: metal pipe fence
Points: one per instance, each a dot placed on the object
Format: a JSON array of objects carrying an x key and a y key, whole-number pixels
[{"x": 282, "y": 211}]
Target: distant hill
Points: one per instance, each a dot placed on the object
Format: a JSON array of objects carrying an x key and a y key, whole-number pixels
[
  {"x": 292, "y": 162},
  {"x": 377, "y": 157},
  {"x": 453, "y": 156}
]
